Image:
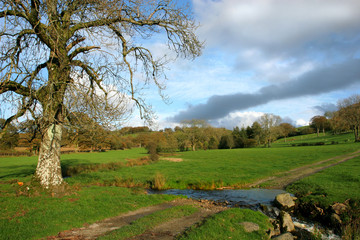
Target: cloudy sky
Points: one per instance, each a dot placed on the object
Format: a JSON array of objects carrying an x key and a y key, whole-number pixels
[{"x": 295, "y": 59}]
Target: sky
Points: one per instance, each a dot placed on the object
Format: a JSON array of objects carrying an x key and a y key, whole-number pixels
[{"x": 294, "y": 59}]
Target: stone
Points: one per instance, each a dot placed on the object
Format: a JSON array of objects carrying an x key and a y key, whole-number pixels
[
  {"x": 285, "y": 236},
  {"x": 335, "y": 219},
  {"x": 273, "y": 232},
  {"x": 339, "y": 208},
  {"x": 284, "y": 201},
  {"x": 286, "y": 223},
  {"x": 250, "y": 226}
]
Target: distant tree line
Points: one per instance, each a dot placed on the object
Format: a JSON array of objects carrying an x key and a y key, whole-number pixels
[{"x": 191, "y": 135}]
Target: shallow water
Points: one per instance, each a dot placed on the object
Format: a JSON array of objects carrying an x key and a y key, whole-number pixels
[{"x": 249, "y": 198}]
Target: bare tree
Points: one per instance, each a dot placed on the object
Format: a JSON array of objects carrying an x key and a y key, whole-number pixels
[
  {"x": 269, "y": 130},
  {"x": 349, "y": 111},
  {"x": 56, "y": 48}
]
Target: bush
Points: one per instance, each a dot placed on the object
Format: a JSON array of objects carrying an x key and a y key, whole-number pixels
[
  {"x": 152, "y": 148},
  {"x": 250, "y": 143}
]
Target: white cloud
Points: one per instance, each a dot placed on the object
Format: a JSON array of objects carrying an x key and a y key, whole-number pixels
[
  {"x": 240, "y": 119},
  {"x": 273, "y": 23},
  {"x": 281, "y": 39},
  {"x": 301, "y": 122}
]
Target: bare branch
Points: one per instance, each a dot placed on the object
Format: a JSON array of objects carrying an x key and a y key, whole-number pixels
[
  {"x": 77, "y": 41},
  {"x": 14, "y": 87},
  {"x": 82, "y": 50}
]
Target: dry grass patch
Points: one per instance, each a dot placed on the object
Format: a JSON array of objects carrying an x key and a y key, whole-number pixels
[{"x": 172, "y": 159}]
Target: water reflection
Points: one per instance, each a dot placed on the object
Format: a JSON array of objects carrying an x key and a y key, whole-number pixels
[{"x": 250, "y": 198}]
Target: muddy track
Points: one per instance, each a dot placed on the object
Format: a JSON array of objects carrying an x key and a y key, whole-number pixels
[
  {"x": 167, "y": 230},
  {"x": 281, "y": 180}
]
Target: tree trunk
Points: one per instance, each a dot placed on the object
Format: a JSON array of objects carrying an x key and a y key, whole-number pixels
[{"x": 48, "y": 170}]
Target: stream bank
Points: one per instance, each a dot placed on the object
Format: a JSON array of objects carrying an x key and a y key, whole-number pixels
[{"x": 286, "y": 226}]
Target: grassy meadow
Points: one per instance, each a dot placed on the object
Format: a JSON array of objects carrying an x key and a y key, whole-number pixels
[
  {"x": 335, "y": 184},
  {"x": 216, "y": 168},
  {"x": 95, "y": 193}
]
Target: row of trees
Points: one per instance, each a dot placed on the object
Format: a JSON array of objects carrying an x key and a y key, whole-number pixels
[{"x": 87, "y": 134}]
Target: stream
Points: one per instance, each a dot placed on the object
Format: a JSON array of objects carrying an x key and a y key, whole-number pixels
[
  {"x": 254, "y": 199},
  {"x": 250, "y": 198}
]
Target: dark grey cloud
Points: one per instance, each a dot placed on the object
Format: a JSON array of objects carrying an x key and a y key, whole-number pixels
[
  {"x": 326, "y": 107},
  {"x": 322, "y": 80}
]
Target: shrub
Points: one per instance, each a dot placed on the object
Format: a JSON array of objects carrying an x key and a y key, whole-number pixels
[{"x": 152, "y": 148}]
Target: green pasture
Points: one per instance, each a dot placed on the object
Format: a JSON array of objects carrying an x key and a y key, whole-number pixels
[
  {"x": 36, "y": 217},
  {"x": 328, "y": 138},
  {"x": 217, "y": 168},
  {"x": 93, "y": 195},
  {"x": 335, "y": 184},
  {"x": 22, "y": 168}
]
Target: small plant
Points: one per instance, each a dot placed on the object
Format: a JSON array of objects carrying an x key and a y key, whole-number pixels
[{"x": 159, "y": 182}]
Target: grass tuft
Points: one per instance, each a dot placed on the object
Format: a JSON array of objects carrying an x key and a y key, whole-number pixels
[{"x": 159, "y": 182}]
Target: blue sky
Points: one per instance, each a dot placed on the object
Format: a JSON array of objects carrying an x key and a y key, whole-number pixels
[{"x": 295, "y": 59}]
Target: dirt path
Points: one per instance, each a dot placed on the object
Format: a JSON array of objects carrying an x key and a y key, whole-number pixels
[
  {"x": 281, "y": 180},
  {"x": 167, "y": 230}
]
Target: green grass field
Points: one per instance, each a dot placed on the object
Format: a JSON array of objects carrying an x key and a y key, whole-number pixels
[
  {"x": 92, "y": 197},
  {"x": 328, "y": 138},
  {"x": 218, "y": 168},
  {"x": 335, "y": 184}
]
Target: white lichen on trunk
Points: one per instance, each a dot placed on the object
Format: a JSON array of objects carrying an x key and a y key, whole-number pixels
[{"x": 48, "y": 170}]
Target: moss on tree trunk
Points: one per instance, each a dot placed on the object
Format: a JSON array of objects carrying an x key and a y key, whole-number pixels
[{"x": 48, "y": 170}]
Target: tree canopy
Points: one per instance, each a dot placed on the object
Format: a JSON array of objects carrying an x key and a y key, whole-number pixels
[{"x": 61, "y": 56}]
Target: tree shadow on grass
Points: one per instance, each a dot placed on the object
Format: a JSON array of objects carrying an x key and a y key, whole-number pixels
[
  {"x": 17, "y": 171},
  {"x": 68, "y": 166}
]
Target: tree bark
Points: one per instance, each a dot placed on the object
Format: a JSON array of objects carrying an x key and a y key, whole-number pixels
[{"x": 48, "y": 170}]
